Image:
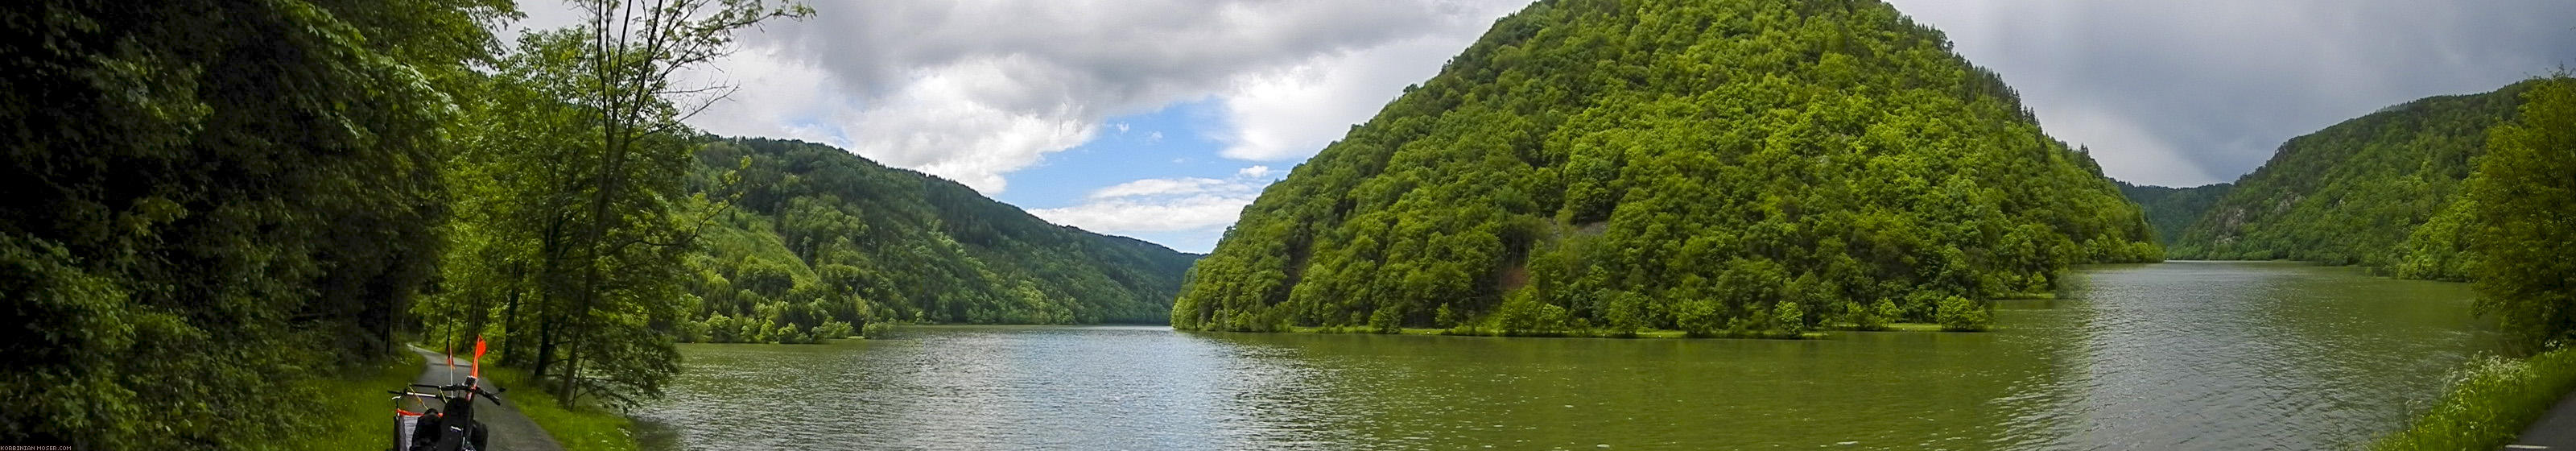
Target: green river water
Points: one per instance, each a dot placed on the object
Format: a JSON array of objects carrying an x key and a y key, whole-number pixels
[{"x": 2181, "y": 355}]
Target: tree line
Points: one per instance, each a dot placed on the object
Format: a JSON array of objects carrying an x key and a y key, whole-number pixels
[
  {"x": 2361, "y": 192},
  {"x": 2463, "y": 188},
  {"x": 2171, "y": 210},
  {"x": 820, "y": 243},
  {"x": 214, "y": 201}
]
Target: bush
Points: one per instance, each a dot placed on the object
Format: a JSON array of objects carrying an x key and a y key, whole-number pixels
[
  {"x": 1789, "y": 319},
  {"x": 833, "y": 329},
  {"x": 1387, "y": 320},
  {"x": 1625, "y": 314},
  {"x": 1958, "y": 314},
  {"x": 1522, "y": 314},
  {"x": 2489, "y": 402},
  {"x": 794, "y": 334},
  {"x": 1920, "y": 306},
  {"x": 1868, "y": 317},
  {"x": 687, "y": 331},
  {"x": 1698, "y": 318},
  {"x": 718, "y": 329}
]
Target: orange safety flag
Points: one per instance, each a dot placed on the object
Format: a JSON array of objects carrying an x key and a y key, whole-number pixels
[{"x": 477, "y": 372}]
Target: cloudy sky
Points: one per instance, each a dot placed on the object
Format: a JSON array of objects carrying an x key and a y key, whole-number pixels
[{"x": 1160, "y": 119}]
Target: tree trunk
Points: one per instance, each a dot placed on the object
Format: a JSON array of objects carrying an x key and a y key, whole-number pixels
[{"x": 510, "y": 344}]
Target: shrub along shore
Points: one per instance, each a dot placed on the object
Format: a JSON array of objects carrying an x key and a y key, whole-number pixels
[{"x": 2489, "y": 402}]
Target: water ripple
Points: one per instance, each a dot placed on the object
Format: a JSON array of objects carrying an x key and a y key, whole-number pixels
[{"x": 2170, "y": 356}]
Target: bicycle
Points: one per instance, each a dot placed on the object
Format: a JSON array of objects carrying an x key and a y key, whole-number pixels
[{"x": 450, "y": 426}]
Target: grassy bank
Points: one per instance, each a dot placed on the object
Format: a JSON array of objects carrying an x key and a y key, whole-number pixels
[
  {"x": 2489, "y": 403},
  {"x": 581, "y": 428},
  {"x": 356, "y": 413}
]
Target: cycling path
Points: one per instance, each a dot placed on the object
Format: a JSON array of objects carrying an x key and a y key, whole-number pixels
[
  {"x": 2555, "y": 430},
  {"x": 511, "y": 431}
]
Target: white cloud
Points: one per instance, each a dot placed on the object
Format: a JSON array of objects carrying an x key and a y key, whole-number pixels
[
  {"x": 2186, "y": 92},
  {"x": 1166, "y": 187},
  {"x": 1194, "y": 204},
  {"x": 1130, "y": 215},
  {"x": 1293, "y": 111},
  {"x": 2212, "y": 83},
  {"x": 1256, "y": 171},
  {"x": 972, "y": 90},
  {"x": 770, "y": 101}
]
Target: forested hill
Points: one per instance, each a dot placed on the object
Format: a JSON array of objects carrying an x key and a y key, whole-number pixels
[
  {"x": 1718, "y": 167},
  {"x": 819, "y": 235},
  {"x": 2355, "y": 192},
  {"x": 2170, "y": 210}
]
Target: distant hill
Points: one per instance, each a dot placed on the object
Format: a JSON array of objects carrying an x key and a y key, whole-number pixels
[
  {"x": 1734, "y": 167},
  {"x": 2353, "y": 193},
  {"x": 2170, "y": 210},
  {"x": 821, "y": 235}
]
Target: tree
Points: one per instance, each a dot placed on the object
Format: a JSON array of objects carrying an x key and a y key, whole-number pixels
[
  {"x": 628, "y": 245},
  {"x": 2523, "y": 197},
  {"x": 212, "y": 203},
  {"x": 2376, "y": 191}
]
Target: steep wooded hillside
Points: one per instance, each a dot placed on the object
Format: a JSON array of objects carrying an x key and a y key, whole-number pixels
[
  {"x": 2354, "y": 192},
  {"x": 819, "y": 237},
  {"x": 2170, "y": 210},
  {"x": 1719, "y": 167}
]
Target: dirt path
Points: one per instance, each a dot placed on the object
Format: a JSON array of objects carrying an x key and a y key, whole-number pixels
[{"x": 510, "y": 430}]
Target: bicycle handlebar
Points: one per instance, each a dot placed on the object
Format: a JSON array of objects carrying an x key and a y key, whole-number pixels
[{"x": 475, "y": 389}]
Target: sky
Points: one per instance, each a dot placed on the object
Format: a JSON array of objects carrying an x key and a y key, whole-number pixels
[{"x": 1161, "y": 119}]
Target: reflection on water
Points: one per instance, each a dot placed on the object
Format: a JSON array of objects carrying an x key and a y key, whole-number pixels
[
  {"x": 2175, "y": 355},
  {"x": 2231, "y": 355}
]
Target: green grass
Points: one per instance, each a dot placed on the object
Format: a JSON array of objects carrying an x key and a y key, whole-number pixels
[
  {"x": 356, "y": 413},
  {"x": 582, "y": 428},
  {"x": 2488, "y": 403}
]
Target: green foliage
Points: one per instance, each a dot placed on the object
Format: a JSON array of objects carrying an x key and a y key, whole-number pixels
[
  {"x": 1789, "y": 318},
  {"x": 1522, "y": 315},
  {"x": 1688, "y": 165},
  {"x": 821, "y": 236},
  {"x": 2488, "y": 403},
  {"x": 354, "y": 414},
  {"x": 259, "y": 175},
  {"x": 1625, "y": 314},
  {"x": 2362, "y": 192},
  {"x": 1874, "y": 316},
  {"x": 1963, "y": 315},
  {"x": 2171, "y": 210},
  {"x": 1698, "y": 318},
  {"x": 572, "y": 242},
  {"x": 576, "y": 426},
  {"x": 2439, "y": 249},
  {"x": 2520, "y": 200},
  {"x": 567, "y": 251}
]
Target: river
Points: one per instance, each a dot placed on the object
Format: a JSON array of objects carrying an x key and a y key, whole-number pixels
[{"x": 2179, "y": 355}]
